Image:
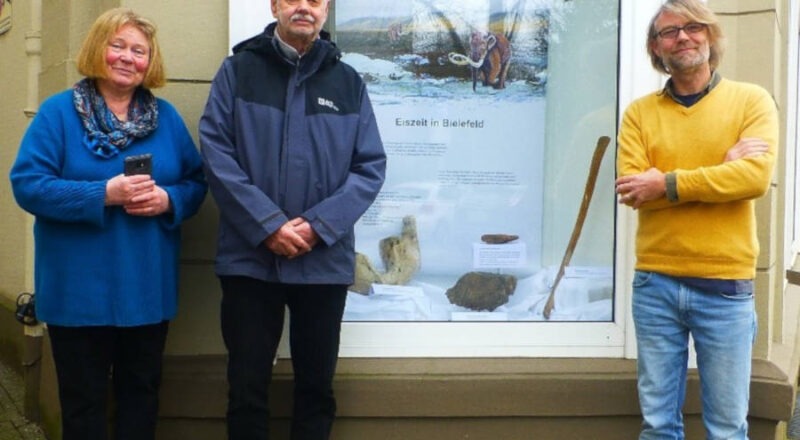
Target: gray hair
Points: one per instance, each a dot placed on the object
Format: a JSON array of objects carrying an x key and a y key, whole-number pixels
[{"x": 695, "y": 11}]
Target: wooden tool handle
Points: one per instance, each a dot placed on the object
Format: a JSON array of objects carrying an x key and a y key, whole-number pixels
[{"x": 594, "y": 170}]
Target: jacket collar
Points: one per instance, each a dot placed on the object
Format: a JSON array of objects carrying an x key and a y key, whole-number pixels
[{"x": 322, "y": 53}]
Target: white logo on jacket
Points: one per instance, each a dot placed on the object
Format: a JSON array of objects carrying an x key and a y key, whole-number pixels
[{"x": 327, "y": 103}]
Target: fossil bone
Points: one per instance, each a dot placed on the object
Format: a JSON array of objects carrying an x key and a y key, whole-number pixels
[{"x": 400, "y": 256}]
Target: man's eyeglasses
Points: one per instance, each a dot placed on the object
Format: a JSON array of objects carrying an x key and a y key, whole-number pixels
[{"x": 671, "y": 33}]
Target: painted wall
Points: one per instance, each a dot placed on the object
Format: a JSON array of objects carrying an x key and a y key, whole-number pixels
[
  {"x": 194, "y": 35},
  {"x": 15, "y": 252}
]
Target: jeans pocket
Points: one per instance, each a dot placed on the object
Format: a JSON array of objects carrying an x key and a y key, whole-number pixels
[
  {"x": 737, "y": 296},
  {"x": 640, "y": 278},
  {"x": 742, "y": 291}
]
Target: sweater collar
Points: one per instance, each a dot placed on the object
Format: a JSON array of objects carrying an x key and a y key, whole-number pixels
[{"x": 669, "y": 90}]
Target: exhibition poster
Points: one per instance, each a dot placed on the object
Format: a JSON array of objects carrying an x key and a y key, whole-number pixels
[{"x": 459, "y": 92}]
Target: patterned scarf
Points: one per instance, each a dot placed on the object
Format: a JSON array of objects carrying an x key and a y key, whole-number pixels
[{"x": 106, "y": 135}]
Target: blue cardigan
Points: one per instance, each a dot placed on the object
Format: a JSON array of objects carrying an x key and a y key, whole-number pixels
[{"x": 95, "y": 264}]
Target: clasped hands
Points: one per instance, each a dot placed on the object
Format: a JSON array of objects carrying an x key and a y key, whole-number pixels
[
  {"x": 293, "y": 239},
  {"x": 636, "y": 189},
  {"x": 137, "y": 194}
]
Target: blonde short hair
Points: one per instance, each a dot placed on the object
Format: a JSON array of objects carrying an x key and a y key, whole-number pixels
[
  {"x": 91, "y": 59},
  {"x": 695, "y": 11}
]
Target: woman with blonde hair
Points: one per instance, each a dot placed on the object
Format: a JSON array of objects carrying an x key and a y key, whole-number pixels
[{"x": 107, "y": 237}]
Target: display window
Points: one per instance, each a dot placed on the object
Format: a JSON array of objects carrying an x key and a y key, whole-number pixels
[{"x": 496, "y": 231}]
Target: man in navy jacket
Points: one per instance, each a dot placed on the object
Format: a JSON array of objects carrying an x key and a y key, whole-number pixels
[{"x": 293, "y": 158}]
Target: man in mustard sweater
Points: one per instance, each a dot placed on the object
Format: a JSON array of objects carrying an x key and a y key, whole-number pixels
[{"x": 692, "y": 158}]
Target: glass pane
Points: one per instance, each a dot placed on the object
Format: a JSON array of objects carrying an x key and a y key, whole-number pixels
[{"x": 490, "y": 112}]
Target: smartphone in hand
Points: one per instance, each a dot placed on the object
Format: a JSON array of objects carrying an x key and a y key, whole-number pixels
[{"x": 139, "y": 164}]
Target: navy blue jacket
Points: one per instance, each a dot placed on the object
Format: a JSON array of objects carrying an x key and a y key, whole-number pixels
[{"x": 283, "y": 139}]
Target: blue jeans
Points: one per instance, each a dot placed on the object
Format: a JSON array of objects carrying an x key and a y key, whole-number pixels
[{"x": 723, "y": 327}]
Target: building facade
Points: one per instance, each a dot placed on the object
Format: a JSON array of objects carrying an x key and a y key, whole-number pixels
[{"x": 465, "y": 161}]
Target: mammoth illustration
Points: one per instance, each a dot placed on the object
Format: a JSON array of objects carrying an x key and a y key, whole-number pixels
[
  {"x": 395, "y": 31},
  {"x": 489, "y": 58}
]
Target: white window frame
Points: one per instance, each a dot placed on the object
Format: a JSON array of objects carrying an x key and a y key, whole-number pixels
[{"x": 792, "y": 164}]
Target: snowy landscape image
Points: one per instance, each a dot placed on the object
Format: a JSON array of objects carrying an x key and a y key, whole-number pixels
[{"x": 421, "y": 48}]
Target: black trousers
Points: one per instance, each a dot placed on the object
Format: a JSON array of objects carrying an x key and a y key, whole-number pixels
[
  {"x": 85, "y": 359},
  {"x": 252, "y": 317}
]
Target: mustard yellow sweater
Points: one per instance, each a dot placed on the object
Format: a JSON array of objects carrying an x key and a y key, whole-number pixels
[{"x": 710, "y": 232}]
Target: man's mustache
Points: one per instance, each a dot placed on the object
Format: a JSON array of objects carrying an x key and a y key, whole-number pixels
[{"x": 307, "y": 17}]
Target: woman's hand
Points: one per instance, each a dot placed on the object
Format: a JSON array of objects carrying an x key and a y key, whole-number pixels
[
  {"x": 138, "y": 195},
  {"x": 121, "y": 189},
  {"x": 155, "y": 202}
]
